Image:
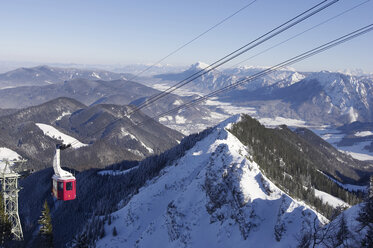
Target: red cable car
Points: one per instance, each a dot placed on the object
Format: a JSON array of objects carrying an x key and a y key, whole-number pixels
[{"x": 63, "y": 182}]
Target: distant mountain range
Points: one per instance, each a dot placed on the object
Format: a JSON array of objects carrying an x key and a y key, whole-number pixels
[
  {"x": 90, "y": 90},
  {"x": 107, "y": 129},
  {"x": 45, "y": 75},
  {"x": 316, "y": 97}
]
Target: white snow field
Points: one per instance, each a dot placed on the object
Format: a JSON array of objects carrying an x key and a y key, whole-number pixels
[
  {"x": 55, "y": 134},
  {"x": 214, "y": 196},
  {"x": 356, "y": 150},
  {"x": 329, "y": 199},
  {"x": 363, "y": 133},
  {"x": 7, "y": 154}
]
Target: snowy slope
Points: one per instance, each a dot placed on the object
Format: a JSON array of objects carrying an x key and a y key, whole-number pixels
[
  {"x": 329, "y": 199},
  {"x": 355, "y": 231},
  {"x": 55, "y": 134},
  {"x": 7, "y": 154},
  {"x": 214, "y": 196}
]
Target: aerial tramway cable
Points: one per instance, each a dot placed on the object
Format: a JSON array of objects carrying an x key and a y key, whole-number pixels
[
  {"x": 293, "y": 60},
  {"x": 285, "y": 63},
  {"x": 252, "y": 44},
  {"x": 279, "y": 29},
  {"x": 192, "y": 40},
  {"x": 303, "y": 32}
]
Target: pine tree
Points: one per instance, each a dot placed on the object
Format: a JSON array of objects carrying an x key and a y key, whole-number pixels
[
  {"x": 115, "y": 233},
  {"x": 368, "y": 239},
  {"x": 81, "y": 241},
  {"x": 366, "y": 218},
  {"x": 343, "y": 233},
  {"x": 46, "y": 229}
]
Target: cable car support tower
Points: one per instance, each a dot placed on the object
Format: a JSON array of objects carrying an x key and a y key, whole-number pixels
[{"x": 10, "y": 189}]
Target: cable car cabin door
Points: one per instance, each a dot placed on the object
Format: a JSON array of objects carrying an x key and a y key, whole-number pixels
[{"x": 64, "y": 189}]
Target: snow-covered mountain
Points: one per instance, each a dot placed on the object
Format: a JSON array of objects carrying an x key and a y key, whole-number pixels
[
  {"x": 215, "y": 196},
  {"x": 319, "y": 98},
  {"x": 209, "y": 190},
  {"x": 351, "y": 95},
  {"x": 45, "y": 75},
  {"x": 216, "y": 79},
  {"x": 212, "y": 80},
  {"x": 98, "y": 140}
]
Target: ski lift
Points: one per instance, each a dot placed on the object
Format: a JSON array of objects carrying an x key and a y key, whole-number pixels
[{"x": 63, "y": 182}]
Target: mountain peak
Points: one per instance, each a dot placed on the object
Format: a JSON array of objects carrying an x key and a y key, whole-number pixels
[{"x": 199, "y": 65}]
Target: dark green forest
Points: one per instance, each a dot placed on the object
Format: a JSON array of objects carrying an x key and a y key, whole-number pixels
[{"x": 290, "y": 162}]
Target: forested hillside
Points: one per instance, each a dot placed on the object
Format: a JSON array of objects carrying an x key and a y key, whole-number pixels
[{"x": 291, "y": 162}]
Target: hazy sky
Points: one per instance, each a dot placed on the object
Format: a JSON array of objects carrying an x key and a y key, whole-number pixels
[{"x": 128, "y": 32}]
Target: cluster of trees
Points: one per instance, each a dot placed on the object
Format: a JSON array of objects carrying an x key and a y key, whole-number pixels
[
  {"x": 288, "y": 165},
  {"x": 339, "y": 232},
  {"x": 366, "y": 218}
]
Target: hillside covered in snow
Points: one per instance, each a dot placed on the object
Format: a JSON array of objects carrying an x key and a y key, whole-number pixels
[{"x": 216, "y": 195}]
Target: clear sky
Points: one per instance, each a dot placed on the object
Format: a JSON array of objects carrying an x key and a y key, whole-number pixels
[{"x": 143, "y": 31}]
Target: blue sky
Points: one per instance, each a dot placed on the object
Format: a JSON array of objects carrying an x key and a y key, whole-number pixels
[{"x": 143, "y": 31}]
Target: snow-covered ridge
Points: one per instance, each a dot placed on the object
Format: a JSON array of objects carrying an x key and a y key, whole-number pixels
[
  {"x": 214, "y": 196},
  {"x": 199, "y": 66},
  {"x": 56, "y": 134}
]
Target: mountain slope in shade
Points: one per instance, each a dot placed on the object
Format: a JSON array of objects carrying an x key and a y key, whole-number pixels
[
  {"x": 214, "y": 196},
  {"x": 107, "y": 129},
  {"x": 83, "y": 90}
]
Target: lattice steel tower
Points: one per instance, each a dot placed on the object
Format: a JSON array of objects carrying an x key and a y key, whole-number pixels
[{"x": 9, "y": 188}]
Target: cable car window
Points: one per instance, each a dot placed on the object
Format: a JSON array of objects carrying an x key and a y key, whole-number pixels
[
  {"x": 69, "y": 186},
  {"x": 60, "y": 185}
]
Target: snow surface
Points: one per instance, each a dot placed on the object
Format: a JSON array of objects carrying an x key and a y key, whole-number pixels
[
  {"x": 62, "y": 115},
  {"x": 214, "y": 196},
  {"x": 363, "y": 133},
  {"x": 359, "y": 156},
  {"x": 274, "y": 122},
  {"x": 349, "y": 187},
  {"x": 94, "y": 74},
  {"x": 10, "y": 155},
  {"x": 115, "y": 172},
  {"x": 355, "y": 232},
  {"x": 6, "y": 153},
  {"x": 125, "y": 133},
  {"x": 356, "y": 150},
  {"x": 56, "y": 134},
  {"x": 329, "y": 199},
  {"x": 180, "y": 119}
]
